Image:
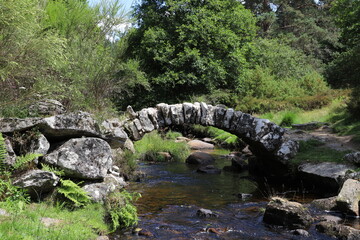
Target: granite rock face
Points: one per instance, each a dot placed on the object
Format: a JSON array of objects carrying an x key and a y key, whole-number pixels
[
  {"x": 84, "y": 158},
  {"x": 327, "y": 175}
]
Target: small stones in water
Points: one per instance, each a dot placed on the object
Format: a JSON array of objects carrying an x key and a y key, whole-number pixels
[
  {"x": 202, "y": 212},
  {"x": 300, "y": 232},
  {"x": 146, "y": 233},
  {"x": 338, "y": 231},
  {"x": 244, "y": 196},
  {"x": 210, "y": 169}
]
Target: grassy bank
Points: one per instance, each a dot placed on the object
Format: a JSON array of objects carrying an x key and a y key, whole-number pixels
[{"x": 84, "y": 223}]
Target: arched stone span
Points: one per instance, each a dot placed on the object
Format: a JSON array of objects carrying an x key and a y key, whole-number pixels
[{"x": 264, "y": 137}]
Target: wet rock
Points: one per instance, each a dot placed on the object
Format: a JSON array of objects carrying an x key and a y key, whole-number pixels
[
  {"x": 348, "y": 199},
  {"x": 330, "y": 218},
  {"x": 114, "y": 133},
  {"x": 209, "y": 169},
  {"x": 84, "y": 158},
  {"x": 165, "y": 155},
  {"x": 244, "y": 196},
  {"x": 327, "y": 175},
  {"x": 47, "y": 107},
  {"x": 205, "y": 213},
  {"x": 70, "y": 125},
  {"x": 308, "y": 126},
  {"x": 10, "y": 158},
  {"x": 37, "y": 182},
  {"x": 208, "y": 140},
  {"x": 145, "y": 233},
  {"x": 239, "y": 163},
  {"x": 182, "y": 139},
  {"x": 200, "y": 158},
  {"x": 325, "y": 203},
  {"x": 338, "y": 231},
  {"x": 353, "y": 158},
  {"x": 285, "y": 213},
  {"x": 199, "y": 145},
  {"x": 300, "y": 232}
]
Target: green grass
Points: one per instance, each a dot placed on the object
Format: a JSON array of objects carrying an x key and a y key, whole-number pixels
[
  {"x": 152, "y": 143},
  {"x": 314, "y": 151},
  {"x": 324, "y": 114},
  {"x": 222, "y": 137},
  {"x": 85, "y": 223}
]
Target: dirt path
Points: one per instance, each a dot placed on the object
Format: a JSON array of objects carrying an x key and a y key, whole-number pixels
[{"x": 325, "y": 134}]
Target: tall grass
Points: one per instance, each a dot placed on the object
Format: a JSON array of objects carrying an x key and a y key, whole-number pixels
[{"x": 151, "y": 144}]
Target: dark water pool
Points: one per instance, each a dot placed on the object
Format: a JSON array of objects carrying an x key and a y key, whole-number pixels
[{"x": 173, "y": 192}]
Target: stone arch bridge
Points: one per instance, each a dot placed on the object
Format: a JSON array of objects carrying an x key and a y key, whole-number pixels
[{"x": 264, "y": 138}]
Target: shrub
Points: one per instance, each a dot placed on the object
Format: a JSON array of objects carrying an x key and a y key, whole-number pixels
[
  {"x": 288, "y": 119},
  {"x": 122, "y": 212}
]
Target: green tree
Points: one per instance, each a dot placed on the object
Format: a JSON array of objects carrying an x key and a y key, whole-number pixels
[
  {"x": 306, "y": 25},
  {"x": 344, "y": 71},
  {"x": 190, "y": 47}
]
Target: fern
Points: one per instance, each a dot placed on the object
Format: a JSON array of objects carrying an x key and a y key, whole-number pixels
[
  {"x": 57, "y": 171},
  {"x": 22, "y": 160},
  {"x": 3, "y": 153},
  {"x": 121, "y": 209},
  {"x": 74, "y": 193}
]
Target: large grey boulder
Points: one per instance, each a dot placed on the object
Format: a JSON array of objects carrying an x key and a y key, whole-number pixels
[
  {"x": 328, "y": 176},
  {"x": 348, "y": 199},
  {"x": 46, "y": 107},
  {"x": 84, "y": 158},
  {"x": 325, "y": 203},
  {"x": 37, "y": 182},
  {"x": 338, "y": 231},
  {"x": 177, "y": 114},
  {"x": 285, "y": 213},
  {"x": 353, "y": 158},
  {"x": 198, "y": 145},
  {"x": 200, "y": 158},
  {"x": 70, "y": 125}
]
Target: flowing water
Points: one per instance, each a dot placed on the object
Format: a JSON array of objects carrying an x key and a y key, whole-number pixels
[{"x": 173, "y": 192}]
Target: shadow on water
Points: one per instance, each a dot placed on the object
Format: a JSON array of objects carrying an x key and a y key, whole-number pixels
[{"x": 173, "y": 192}]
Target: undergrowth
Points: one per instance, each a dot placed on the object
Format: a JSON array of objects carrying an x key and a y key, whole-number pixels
[{"x": 314, "y": 151}]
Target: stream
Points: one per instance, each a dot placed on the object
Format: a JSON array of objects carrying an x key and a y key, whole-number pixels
[{"x": 173, "y": 192}]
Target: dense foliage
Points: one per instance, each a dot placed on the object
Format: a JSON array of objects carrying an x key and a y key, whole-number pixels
[{"x": 62, "y": 49}]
